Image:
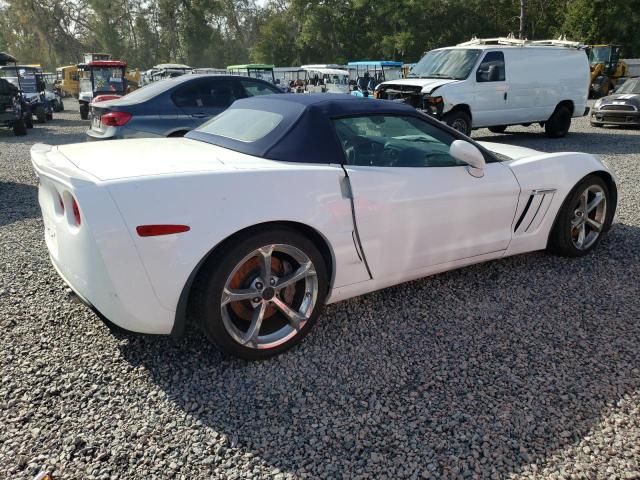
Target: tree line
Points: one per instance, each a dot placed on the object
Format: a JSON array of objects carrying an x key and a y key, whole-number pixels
[{"x": 216, "y": 33}]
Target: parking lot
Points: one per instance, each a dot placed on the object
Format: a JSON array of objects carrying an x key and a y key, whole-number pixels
[{"x": 527, "y": 367}]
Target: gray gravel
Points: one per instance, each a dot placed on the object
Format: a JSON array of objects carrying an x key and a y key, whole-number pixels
[{"x": 526, "y": 367}]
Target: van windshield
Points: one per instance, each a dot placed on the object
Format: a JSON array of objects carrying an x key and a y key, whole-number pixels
[{"x": 455, "y": 64}]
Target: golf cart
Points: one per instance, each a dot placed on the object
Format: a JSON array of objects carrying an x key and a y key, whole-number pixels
[
  {"x": 366, "y": 75},
  {"x": 14, "y": 112},
  {"x": 67, "y": 81},
  {"x": 51, "y": 92},
  {"x": 327, "y": 79},
  {"x": 290, "y": 79},
  {"x": 254, "y": 70},
  {"x": 100, "y": 80},
  {"x": 28, "y": 79}
]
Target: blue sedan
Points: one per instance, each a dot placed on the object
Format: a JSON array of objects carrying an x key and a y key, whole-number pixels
[{"x": 172, "y": 107}]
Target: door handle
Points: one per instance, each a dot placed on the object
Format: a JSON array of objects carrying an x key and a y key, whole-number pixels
[
  {"x": 199, "y": 115},
  {"x": 505, "y": 95}
]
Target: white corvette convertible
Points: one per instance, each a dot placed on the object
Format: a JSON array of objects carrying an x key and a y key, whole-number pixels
[{"x": 284, "y": 203}]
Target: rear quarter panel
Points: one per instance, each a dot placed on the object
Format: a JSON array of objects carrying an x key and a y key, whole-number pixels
[{"x": 216, "y": 205}]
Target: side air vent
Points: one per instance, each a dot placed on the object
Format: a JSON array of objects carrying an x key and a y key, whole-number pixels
[{"x": 534, "y": 211}]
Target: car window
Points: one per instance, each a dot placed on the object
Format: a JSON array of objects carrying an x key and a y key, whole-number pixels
[
  {"x": 205, "y": 93},
  {"x": 242, "y": 124},
  {"x": 253, "y": 88},
  {"x": 394, "y": 141},
  {"x": 492, "y": 68}
]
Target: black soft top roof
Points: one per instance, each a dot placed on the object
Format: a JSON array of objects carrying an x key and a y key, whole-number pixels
[{"x": 306, "y": 133}]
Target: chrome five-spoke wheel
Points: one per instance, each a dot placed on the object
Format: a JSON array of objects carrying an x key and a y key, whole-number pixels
[
  {"x": 261, "y": 293},
  {"x": 583, "y": 218},
  {"x": 589, "y": 217},
  {"x": 269, "y": 296}
]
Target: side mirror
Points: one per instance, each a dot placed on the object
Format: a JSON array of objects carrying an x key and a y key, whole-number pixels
[{"x": 469, "y": 154}]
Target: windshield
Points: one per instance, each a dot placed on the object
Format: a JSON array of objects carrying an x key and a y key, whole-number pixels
[
  {"x": 630, "y": 87},
  {"x": 392, "y": 73},
  {"x": 107, "y": 79},
  {"x": 266, "y": 75},
  {"x": 599, "y": 55},
  {"x": 27, "y": 78},
  {"x": 455, "y": 64}
]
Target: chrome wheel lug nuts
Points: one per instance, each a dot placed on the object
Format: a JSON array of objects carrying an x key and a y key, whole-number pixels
[{"x": 259, "y": 285}]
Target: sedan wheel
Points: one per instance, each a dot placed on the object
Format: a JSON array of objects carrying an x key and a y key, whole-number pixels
[{"x": 260, "y": 295}]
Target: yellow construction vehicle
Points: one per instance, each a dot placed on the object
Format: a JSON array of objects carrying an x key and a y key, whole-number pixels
[
  {"x": 133, "y": 79},
  {"x": 606, "y": 69},
  {"x": 67, "y": 81}
]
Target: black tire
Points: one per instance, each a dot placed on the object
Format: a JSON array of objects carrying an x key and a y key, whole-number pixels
[
  {"x": 559, "y": 123},
  {"x": 458, "y": 120},
  {"x": 28, "y": 120},
  {"x": 84, "y": 111},
  {"x": 560, "y": 238},
  {"x": 206, "y": 295},
  {"x": 19, "y": 128},
  {"x": 49, "y": 116},
  {"x": 41, "y": 115},
  {"x": 60, "y": 106},
  {"x": 498, "y": 129}
]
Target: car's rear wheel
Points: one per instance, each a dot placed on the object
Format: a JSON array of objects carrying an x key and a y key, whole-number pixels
[
  {"x": 498, "y": 129},
  {"x": 84, "y": 111},
  {"x": 261, "y": 294},
  {"x": 584, "y": 216}
]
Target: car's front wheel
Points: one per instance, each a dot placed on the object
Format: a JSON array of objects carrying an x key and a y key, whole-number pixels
[
  {"x": 260, "y": 295},
  {"x": 583, "y": 218}
]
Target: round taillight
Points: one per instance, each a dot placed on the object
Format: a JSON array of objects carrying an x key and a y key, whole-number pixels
[{"x": 76, "y": 211}]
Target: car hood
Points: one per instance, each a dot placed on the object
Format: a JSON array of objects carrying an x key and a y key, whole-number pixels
[
  {"x": 510, "y": 151},
  {"x": 622, "y": 99},
  {"x": 146, "y": 157},
  {"x": 428, "y": 85}
]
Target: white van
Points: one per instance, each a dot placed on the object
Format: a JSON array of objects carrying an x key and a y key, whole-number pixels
[{"x": 499, "y": 82}]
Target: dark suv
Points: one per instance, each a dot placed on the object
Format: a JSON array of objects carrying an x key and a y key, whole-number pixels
[{"x": 171, "y": 107}]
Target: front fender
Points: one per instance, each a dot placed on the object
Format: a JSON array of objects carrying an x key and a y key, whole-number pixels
[{"x": 552, "y": 176}]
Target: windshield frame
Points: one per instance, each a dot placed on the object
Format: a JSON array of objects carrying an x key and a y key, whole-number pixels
[{"x": 440, "y": 53}]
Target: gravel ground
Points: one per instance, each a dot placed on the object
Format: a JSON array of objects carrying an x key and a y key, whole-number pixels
[{"x": 527, "y": 367}]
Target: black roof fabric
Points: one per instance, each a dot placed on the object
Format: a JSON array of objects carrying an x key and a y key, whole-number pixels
[{"x": 306, "y": 133}]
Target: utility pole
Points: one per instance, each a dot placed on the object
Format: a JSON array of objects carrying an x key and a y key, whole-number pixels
[{"x": 523, "y": 15}]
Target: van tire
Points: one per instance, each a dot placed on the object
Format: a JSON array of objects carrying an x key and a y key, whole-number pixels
[
  {"x": 458, "y": 120},
  {"x": 498, "y": 129},
  {"x": 559, "y": 123}
]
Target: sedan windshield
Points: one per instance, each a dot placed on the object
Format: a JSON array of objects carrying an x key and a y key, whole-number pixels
[
  {"x": 630, "y": 87},
  {"x": 454, "y": 64}
]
